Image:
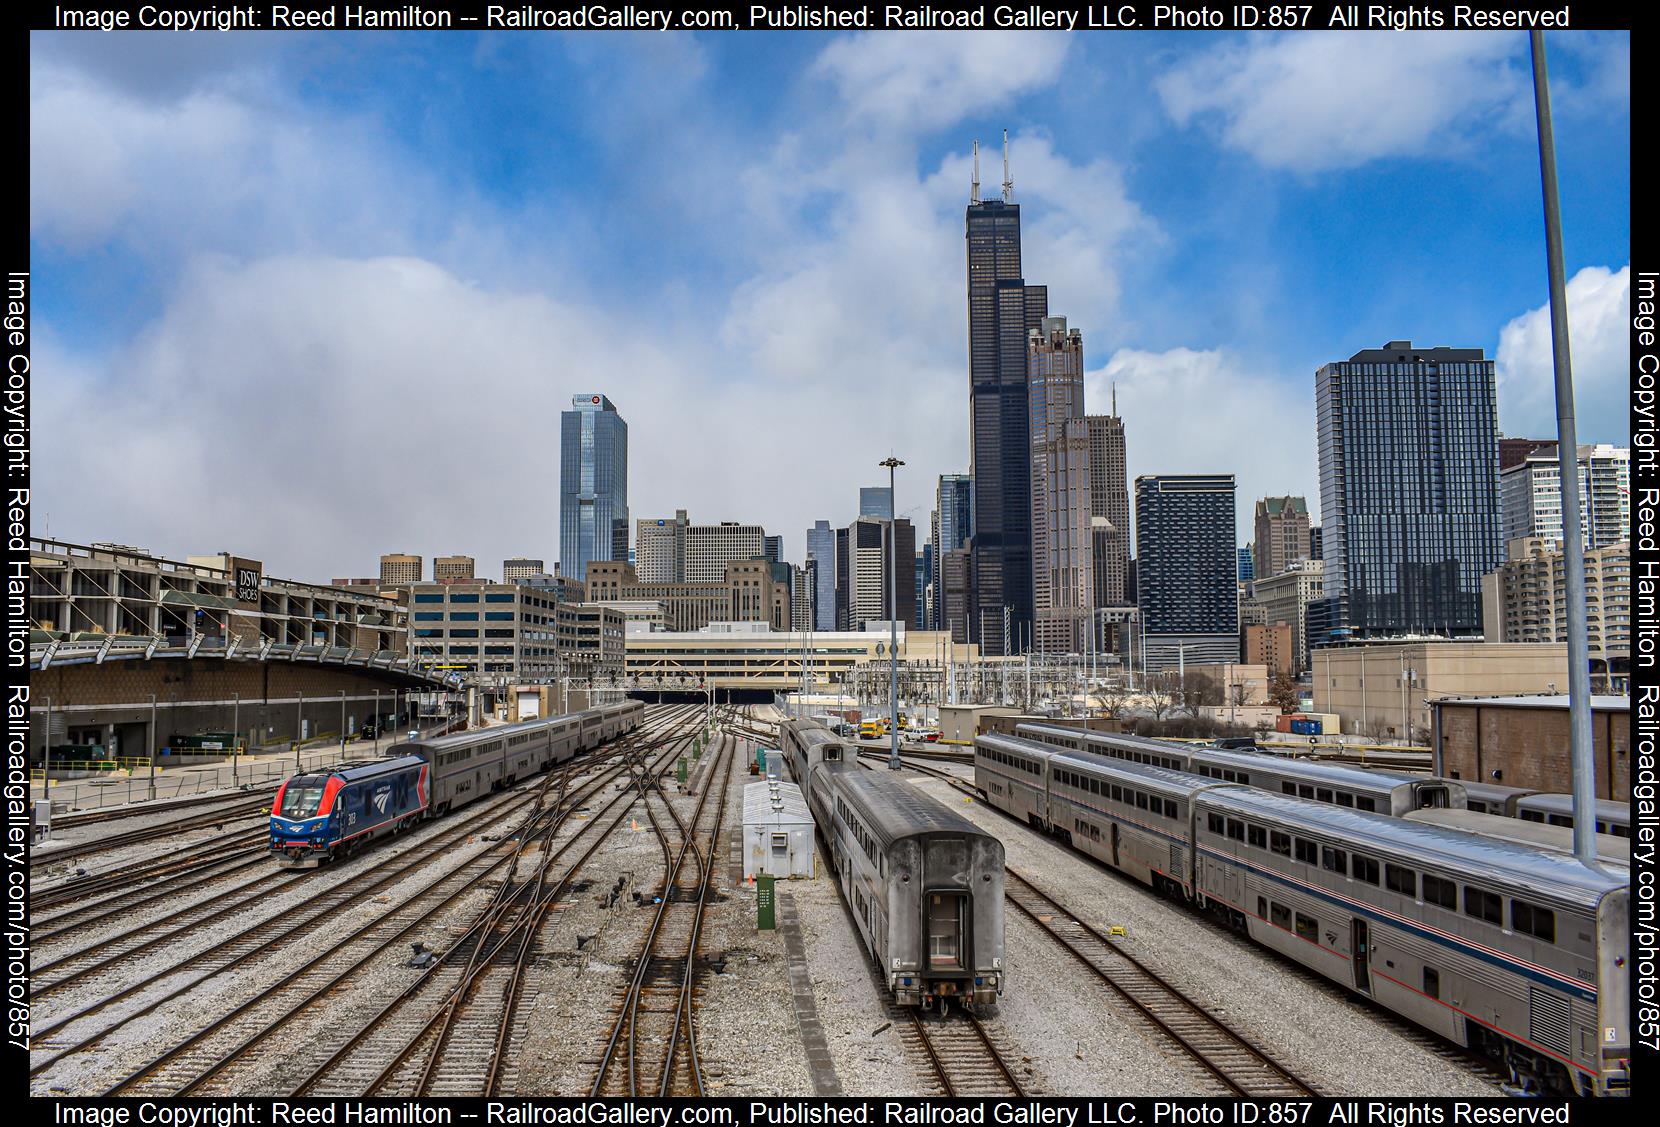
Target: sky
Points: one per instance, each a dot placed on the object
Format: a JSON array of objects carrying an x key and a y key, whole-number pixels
[{"x": 311, "y": 298}]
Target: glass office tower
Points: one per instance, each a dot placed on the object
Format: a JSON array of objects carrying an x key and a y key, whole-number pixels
[{"x": 593, "y": 485}]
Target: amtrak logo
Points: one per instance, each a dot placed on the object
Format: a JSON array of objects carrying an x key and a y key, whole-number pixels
[{"x": 381, "y": 797}]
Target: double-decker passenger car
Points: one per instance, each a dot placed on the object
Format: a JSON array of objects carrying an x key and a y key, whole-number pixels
[{"x": 1502, "y": 945}]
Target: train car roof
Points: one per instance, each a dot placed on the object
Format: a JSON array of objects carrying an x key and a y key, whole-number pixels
[
  {"x": 1164, "y": 779},
  {"x": 499, "y": 731},
  {"x": 893, "y": 808},
  {"x": 811, "y": 732},
  {"x": 1491, "y": 792},
  {"x": 361, "y": 769},
  {"x": 1559, "y": 839},
  {"x": 1541, "y": 872},
  {"x": 1552, "y": 803},
  {"x": 1143, "y": 743},
  {"x": 1314, "y": 771}
]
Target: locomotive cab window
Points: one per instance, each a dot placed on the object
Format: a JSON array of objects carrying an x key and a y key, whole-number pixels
[
  {"x": 945, "y": 930},
  {"x": 301, "y": 801}
]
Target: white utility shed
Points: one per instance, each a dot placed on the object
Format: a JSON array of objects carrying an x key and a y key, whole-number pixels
[{"x": 778, "y": 831}]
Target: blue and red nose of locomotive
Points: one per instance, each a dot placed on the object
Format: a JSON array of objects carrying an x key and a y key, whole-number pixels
[{"x": 312, "y": 833}]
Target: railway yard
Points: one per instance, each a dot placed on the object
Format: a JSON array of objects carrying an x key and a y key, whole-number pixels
[{"x": 588, "y": 931}]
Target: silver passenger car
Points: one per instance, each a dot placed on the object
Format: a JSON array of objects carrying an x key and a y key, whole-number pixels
[{"x": 925, "y": 885}]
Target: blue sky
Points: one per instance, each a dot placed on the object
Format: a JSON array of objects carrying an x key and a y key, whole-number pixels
[{"x": 329, "y": 293}]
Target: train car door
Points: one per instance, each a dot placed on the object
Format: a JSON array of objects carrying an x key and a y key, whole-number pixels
[
  {"x": 1360, "y": 948},
  {"x": 1430, "y": 796},
  {"x": 1114, "y": 845},
  {"x": 947, "y": 926}
]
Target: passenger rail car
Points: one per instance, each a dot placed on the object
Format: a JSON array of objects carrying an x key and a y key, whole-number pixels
[
  {"x": 925, "y": 885},
  {"x": 806, "y": 744},
  {"x": 456, "y": 770},
  {"x": 1384, "y": 792},
  {"x": 1558, "y": 810},
  {"x": 1504, "y": 946},
  {"x": 329, "y": 813}
]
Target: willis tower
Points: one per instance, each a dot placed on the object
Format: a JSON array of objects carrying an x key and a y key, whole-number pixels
[{"x": 1002, "y": 309}]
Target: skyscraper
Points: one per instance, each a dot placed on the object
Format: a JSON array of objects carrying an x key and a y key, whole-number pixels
[
  {"x": 1063, "y": 579},
  {"x": 521, "y": 568},
  {"x": 1109, "y": 508},
  {"x": 773, "y": 546},
  {"x": 876, "y": 501},
  {"x": 593, "y": 485},
  {"x": 1282, "y": 534},
  {"x": 1186, "y": 565},
  {"x": 660, "y": 548},
  {"x": 953, "y": 524},
  {"x": 397, "y": 568},
  {"x": 821, "y": 550},
  {"x": 1002, "y": 308},
  {"x": 710, "y": 547},
  {"x": 862, "y": 585},
  {"x": 1247, "y": 564},
  {"x": 1408, "y": 489}
]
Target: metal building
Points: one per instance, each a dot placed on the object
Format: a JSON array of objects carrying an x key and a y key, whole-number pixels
[{"x": 778, "y": 831}]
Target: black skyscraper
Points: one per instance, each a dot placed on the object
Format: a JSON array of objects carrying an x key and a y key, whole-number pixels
[{"x": 1001, "y": 309}]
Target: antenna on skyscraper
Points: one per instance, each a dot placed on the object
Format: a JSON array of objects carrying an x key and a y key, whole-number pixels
[
  {"x": 974, "y": 194},
  {"x": 1008, "y": 185},
  {"x": 1115, "y": 398}
]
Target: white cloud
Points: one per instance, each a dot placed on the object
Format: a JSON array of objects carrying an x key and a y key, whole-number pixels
[
  {"x": 1189, "y": 411},
  {"x": 1339, "y": 100},
  {"x": 1599, "y": 313},
  {"x": 920, "y": 80},
  {"x": 325, "y": 383}
]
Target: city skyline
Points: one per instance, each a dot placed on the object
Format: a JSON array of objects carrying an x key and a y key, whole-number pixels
[{"x": 150, "y": 288}]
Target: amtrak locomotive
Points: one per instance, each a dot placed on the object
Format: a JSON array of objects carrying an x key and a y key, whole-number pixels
[{"x": 324, "y": 815}]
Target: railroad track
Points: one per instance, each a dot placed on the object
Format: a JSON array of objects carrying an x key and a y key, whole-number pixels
[
  {"x": 191, "y": 858},
  {"x": 452, "y": 1031},
  {"x": 962, "y": 1055},
  {"x": 85, "y": 914},
  {"x": 652, "y": 1048},
  {"x": 249, "y": 1047},
  {"x": 153, "y": 809},
  {"x": 1233, "y": 1060},
  {"x": 247, "y": 808}
]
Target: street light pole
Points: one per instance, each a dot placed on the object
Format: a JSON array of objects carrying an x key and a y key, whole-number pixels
[
  {"x": 153, "y": 738},
  {"x": 1573, "y": 549},
  {"x": 893, "y": 617}
]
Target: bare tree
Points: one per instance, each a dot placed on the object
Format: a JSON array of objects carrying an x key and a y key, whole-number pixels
[
  {"x": 1115, "y": 698},
  {"x": 1163, "y": 693}
]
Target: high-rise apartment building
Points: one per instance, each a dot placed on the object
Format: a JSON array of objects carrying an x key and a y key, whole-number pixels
[
  {"x": 1530, "y": 495},
  {"x": 1063, "y": 576},
  {"x": 1002, "y": 309},
  {"x": 1282, "y": 534},
  {"x": 710, "y": 547},
  {"x": 1186, "y": 588},
  {"x": 876, "y": 501},
  {"x": 821, "y": 557},
  {"x": 448, "y": 569},
  {"x": 1109, "y": 507},
  {"x": 660, "y": 548},
  {"x": 397, "y": 569},
  {"x": 521, "y": 568},
  {"x": 1408, "y": 442},
  {"x": 593, "y": 485},
  {"x": 1526, "y": 600}
]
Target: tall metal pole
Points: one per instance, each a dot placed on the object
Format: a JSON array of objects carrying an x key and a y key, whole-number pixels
[
  {"x": 1567, "y": 451},
  {"x": 342, "y": 723},
  {"x": 46, "y": 777},
  {"x": 299, "y": 723},
  {"x": 153, "y": 739},
  {"x": 893, "y": 618},
  {"x": 236, "y": 727}
]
